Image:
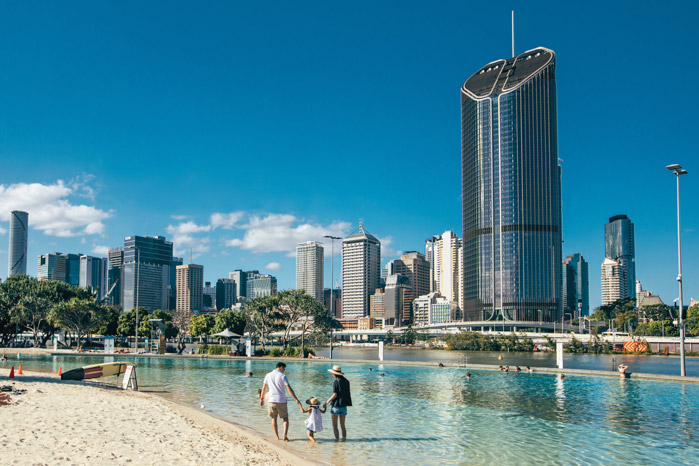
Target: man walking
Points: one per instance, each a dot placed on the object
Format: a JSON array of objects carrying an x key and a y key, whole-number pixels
[{"x": 277, "y": 381}]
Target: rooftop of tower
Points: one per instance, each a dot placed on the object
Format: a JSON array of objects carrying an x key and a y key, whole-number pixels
[
  {"x": 361, "y": 234},
  {"x": 503, "y": 76}
]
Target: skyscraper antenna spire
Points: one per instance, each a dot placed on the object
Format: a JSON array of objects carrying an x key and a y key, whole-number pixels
[{"x": 513, "y": 33}]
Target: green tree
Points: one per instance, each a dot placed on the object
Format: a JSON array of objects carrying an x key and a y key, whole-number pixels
[
  {"x": 692, "y": 321},
  {"x": 30, "y": 301},
  {"x": 201, "y": 325},
  {"x": 79, "y": 315},
  {"x": 111, "y": 321},
  {"x": 620, "y": 311},
  {"x": 301, "y": 312},
  {"x": 408, "y": 335},
  {"x": 263, "y": 317},
  {"x": 170, "y": 330},
  {"x": 229, "y": 319},
  {"x": 127, "y": 323}
]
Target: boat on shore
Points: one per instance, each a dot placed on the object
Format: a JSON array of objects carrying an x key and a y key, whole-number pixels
[{"x": 94, "y": 371}]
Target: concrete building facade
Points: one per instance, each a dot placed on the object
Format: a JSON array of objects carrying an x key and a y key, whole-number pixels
[
  {"x": 190, "y": 292},
  {"x": 361, "y": 274},
  {"x": 309, "y": 268}
]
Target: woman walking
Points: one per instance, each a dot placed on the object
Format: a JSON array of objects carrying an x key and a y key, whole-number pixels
[{"x": 339, "y": 401}]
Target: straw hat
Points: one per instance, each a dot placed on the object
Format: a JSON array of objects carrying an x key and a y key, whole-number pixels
[
  {"x": 337, "y": 370},
  {"x": 313, "y": 402}
]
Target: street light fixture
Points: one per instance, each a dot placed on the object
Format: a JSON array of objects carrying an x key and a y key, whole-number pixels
[
  {"x": 332, "y": 279},
  {"x": 678, "y": 171}
]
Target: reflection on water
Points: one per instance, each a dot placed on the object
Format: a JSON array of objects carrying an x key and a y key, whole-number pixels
[{"x": 432, "y": 415}]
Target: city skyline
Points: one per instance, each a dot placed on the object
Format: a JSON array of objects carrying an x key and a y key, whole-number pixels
[{"x": 214, "y": 119}]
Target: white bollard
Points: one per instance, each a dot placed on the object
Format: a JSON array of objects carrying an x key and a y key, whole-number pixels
[{"x": 559, "y": 354}]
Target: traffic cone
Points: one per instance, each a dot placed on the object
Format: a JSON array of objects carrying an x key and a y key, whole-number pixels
[
  {"x": 60, "y": 372},
  {"x": 12, "y": 372},
  {"x": 20, "y": 370}
]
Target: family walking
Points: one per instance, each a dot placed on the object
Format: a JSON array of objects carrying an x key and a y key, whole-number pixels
[{"x": 278, "y": 385}]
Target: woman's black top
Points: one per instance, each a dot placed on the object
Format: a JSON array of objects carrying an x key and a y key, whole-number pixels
[{"x": 341, "y": 386}]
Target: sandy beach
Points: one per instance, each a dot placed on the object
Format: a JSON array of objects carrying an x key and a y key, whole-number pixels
[{"x": 63, "y": 422}]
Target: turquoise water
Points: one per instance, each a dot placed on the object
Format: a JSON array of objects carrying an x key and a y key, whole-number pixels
[{"x": 431, "y": 415}]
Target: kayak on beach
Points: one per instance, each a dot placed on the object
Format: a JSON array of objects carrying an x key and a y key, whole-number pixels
[{"x": 97, "y": 370}]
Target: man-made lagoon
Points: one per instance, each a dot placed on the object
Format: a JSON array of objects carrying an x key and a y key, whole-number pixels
[{"x": 433, "y": 415}]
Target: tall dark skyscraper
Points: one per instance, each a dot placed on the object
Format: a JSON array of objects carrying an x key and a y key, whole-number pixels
[
  {"x": 19, "y": 228},
  {"x": 146, "y": 272},
  {"x": 576, "y": 286},
  {"x": 115, "y": 276},
  {"x": 619, "y": 245},
  {"x": 511, "y": 191}
]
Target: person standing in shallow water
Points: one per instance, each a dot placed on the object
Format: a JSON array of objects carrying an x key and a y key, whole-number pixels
[
  {"x": 276, "y": 381},
  {"x": 339, "y": 401}
]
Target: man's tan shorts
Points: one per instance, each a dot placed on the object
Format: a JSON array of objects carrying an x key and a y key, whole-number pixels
[{"x": 278, "y": 409}]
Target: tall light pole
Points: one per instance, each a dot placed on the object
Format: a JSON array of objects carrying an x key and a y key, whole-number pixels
[
  {"x": 332, "y": 279},
  {"x": 679, "y": 171}
]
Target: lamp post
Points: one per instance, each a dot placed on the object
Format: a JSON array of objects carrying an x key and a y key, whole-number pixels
[
  {"x": 678, "y": 171},
  {"x": 332, "y": 279}
]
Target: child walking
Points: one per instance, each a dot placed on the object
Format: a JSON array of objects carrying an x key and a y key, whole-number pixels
[{"x": 314, "y": 423}]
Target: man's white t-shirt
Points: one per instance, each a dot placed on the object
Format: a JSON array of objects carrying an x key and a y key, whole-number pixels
[{"x": 276, "y": 381}]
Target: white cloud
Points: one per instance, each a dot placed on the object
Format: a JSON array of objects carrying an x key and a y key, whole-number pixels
[
  {"x": 179, "y": 218},
  {"x": 100, "y": 250},
  {"x": 51, "y": 211},
  {"x": 282, "y": 232},
  {"x": 184, "y": 245},
  {"x": 187, "y": 228},
  {"x": 273, "y": 266},
  {"x": 386, "y": 249},
  {"x": 225, "y": 221},
  {"x": 2, "y": 231}
]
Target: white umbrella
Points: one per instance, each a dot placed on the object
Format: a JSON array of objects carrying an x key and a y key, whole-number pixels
[{"x": 227, "y": 334}]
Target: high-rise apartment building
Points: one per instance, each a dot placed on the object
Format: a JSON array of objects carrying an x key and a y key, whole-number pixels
[
  {"x": 173, "y": 282},
  {"x": 576, "y": 287},
  {"x": 146, "y": 272},
  {"x": 241, "y": 281},
  {"x": 309, "y": 268},
  {"x": 377, "y": 304},
  {"x": 260, "y": 285},
  {"x": 19, "y": 234},
  {"x": 59, "y": 267},
  {"x": 511, "y": 191},
  {"x": 225, "y": 293},
  {"x": 361, "y": 274},
  {"x": 619, "y": 245},
  {"x": 433, "y": 309},
  {"x": 413, "y": 265},
  {"x": 115, "y": 277},
  {"x": 190, "y": 295},
  {"x": 444, "y": 253},
  {"x": 398, "y": 300},
  {"x": 337, "y": 301},
  {"x": 612, "y": 281},
  {"x": 93, "y": 275}
]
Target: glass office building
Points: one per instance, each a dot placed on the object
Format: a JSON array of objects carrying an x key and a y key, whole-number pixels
[
  {"x": 146, "y": 272},
  {"x": 511, "y": 191},
  {"x": 19, "y": 234},
  {"x": 619, "y": 245}
]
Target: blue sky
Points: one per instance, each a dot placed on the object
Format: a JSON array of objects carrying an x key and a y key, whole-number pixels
[{"x": 238, "y": 129}]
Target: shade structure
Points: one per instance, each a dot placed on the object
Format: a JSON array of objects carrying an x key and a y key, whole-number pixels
[{"x": 227, "y": 334}]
